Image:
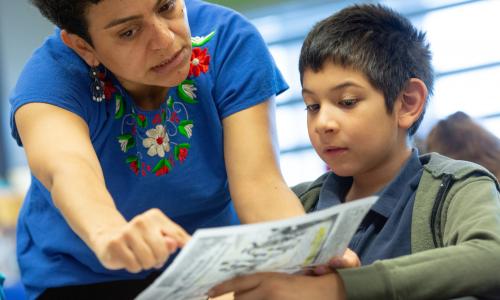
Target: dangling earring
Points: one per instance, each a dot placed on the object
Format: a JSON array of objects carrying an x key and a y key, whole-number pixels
[{"x": 97, "y": 87}]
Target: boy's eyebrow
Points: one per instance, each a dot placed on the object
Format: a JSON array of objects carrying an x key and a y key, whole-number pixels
[
  {"x": 336, "y": 87},
  {"x": 127, "y": 19}
]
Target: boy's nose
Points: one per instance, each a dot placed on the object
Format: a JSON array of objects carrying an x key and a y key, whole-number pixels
[{"x": 326, "y": 122}]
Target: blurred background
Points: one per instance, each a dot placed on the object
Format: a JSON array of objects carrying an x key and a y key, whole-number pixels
[{"x": 464, "y": 40}]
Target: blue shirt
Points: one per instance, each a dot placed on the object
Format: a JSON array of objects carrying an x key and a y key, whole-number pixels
[
  {"x": 171, "y": 158},
  {"x": 385, "y": 232}
]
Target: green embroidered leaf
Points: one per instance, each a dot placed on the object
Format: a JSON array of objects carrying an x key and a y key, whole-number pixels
[
  {"x": 163, "y": 116},
  {"x": 162, "y": 163},
  {"x": 185, "y": 122},
  {"x": 167, "y": 163},
  {"x": 130, "y": 144},
  {"x": 131, "y": 159},
  {"x": 199, "y": 41},
  {"x": 142, "y": 121},
  {"x": 170, "y": 102},
  {"x": 125, "y": 136},
  {"x": 120, "y": 106},
  {"x": 186, "y": 91},
  {"x": 158, "y": 166},
  {"x": 186, "y": 128},
  {"x": 126, "y": 141}
]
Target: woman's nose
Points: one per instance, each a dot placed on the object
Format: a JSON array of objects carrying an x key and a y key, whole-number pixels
[{"x": 162, "y": 36}]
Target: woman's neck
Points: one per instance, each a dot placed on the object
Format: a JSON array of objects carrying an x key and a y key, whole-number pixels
[{"x": 145, "y": 97}]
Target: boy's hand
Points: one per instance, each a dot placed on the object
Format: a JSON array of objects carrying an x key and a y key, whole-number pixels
[
  {"x": 349, "y": 260},
  {"x": 143, "y": 243},
  {"x": 278, "y": 286}
]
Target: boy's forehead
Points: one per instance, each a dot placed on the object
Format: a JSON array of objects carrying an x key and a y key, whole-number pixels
[
  {"x": 331, "y": 78},
  {"x": 334, "y": 74}
]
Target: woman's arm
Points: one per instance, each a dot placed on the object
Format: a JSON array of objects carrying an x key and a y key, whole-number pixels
[
  {"x": 61, "y": 156},
  {"x": 251, "y": 155}
]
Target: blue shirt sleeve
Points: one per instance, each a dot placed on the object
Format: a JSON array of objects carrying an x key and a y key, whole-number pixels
[
  {"x": 54, "y": 75},
  {"x": 245, "y": 72}
]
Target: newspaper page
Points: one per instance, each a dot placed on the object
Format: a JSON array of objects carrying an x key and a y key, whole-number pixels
[{"x": 217, "y": 254}]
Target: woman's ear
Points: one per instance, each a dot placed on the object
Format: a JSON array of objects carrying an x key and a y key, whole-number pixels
[
  {"x": 81, "y": 47},
  {"x": 412, "y": 102}
]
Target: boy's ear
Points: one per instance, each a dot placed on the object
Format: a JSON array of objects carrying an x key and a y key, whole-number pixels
[
  {"x": 412, "y": 102},
  {"x": 81, "y": 47}
]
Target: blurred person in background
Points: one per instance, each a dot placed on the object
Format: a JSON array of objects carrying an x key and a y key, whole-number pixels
[{"x": 460, "y": 137}]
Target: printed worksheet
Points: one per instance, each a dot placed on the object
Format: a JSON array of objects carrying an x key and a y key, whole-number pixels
[{"x": 217, "y": 254}]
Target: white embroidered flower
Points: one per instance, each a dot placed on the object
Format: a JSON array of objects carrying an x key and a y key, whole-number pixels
[
  {"x": 190, "y": 90},
  {"x": 189, "y": 130},
  {"x": 118, "y": 106},
  {"x": 197, "y": 39},
  {"x": 123, "y": 145},
  {"x": 157, "y": 141}
]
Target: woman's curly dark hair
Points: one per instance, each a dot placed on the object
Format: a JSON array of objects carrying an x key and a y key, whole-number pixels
[{"x": 67, "y": 14}]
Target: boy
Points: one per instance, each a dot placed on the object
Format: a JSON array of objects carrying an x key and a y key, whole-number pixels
[{"x": 435, "y": 230}]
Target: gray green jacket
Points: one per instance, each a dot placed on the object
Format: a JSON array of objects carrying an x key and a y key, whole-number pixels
[{"x": 455, "y": 238}]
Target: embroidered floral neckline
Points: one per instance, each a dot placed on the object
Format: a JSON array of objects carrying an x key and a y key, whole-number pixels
[{"x": 154, "y": 131}]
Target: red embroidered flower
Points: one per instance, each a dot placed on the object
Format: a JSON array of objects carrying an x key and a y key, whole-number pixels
[
  {"x": 183, "y": 152},
  {"x": 174, "y": 118},
  {"x": 162, "y": 171},
  {"x": 135, "y": 167},
  {"x": 199, "y": 62},
  {"x": 157, "y": 119}
]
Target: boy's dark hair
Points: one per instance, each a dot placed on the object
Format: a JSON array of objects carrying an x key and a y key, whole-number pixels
[
  {"x": 375, "y": 40},
  {"x": 67, "y": 14}
]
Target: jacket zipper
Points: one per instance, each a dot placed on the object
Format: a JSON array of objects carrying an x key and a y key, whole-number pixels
[{"x": 437, "y": 235}]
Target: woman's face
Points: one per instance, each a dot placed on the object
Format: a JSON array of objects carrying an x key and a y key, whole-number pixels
[{"x": 144, "y": 43}]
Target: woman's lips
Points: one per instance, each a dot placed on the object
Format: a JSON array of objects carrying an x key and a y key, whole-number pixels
[{"x": 170, "y": 64}]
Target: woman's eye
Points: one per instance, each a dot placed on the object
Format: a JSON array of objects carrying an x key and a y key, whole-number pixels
[
  {"x": 312, "y": 107},
  {"x": 167, "y": 7}
]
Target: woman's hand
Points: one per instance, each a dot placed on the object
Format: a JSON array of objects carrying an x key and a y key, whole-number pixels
[
  {"x": 349, "y": 260},
  {"x": 145, "y": 242},
  {"x": 78, "y": 189}
]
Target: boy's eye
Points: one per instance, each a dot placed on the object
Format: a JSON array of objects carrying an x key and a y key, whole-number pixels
[
  {"x": 312, "y": 107},
  {"x": 348, "y": 102},
  {"x": 128, "y": 34}
]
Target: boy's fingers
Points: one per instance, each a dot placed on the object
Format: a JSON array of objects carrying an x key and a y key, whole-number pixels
[
  {"x": 237, "y": 285},
  {"x": 349, "y": 260}
]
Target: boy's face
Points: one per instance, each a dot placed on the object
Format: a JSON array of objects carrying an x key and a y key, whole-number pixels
[{"x": 348, "y": 122}]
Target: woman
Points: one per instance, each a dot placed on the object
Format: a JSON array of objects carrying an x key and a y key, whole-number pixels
[{"x": 139, "y": 128}]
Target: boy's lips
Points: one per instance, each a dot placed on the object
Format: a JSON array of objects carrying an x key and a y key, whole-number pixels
[
  {"x": 334, "y": 151},
  {"x": 170, "y": 63}
]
